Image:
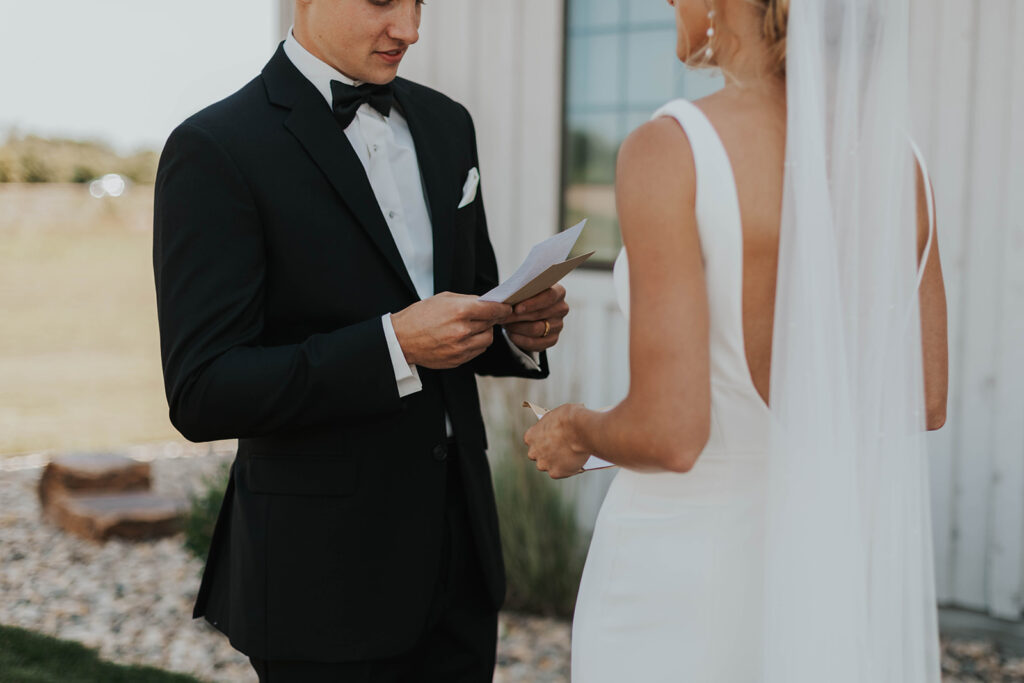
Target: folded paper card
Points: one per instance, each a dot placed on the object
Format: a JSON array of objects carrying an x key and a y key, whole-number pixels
[
  {"x": 547, "y": 263},
  {"x": 594, "y": 463}
]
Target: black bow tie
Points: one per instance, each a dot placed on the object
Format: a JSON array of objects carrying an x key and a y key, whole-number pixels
[{"x": 348, "y": 99}]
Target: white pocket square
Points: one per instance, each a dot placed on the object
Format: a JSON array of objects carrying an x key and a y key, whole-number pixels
[{"x": 470, "y": 188}]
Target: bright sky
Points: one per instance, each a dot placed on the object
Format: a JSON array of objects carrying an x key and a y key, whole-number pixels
[{"x": 125, "y": 71}]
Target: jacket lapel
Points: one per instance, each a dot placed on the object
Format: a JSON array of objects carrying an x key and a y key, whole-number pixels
[
  {"x": 315, "y": 127},
  {"x": 436, "y": 170}
]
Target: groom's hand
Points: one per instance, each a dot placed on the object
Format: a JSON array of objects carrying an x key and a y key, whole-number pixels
[
  {"x": 537, "y": 322},
  {"x": 447, "y": 330}
]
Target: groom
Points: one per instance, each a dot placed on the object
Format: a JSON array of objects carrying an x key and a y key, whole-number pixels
[{"x": 320, "y": 244}]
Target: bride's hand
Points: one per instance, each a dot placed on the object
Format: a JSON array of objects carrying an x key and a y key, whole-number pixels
[{"x": 555, "y": 443}]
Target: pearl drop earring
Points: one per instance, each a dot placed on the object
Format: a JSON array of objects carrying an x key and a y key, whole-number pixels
[{"x": 709, "y": 52}]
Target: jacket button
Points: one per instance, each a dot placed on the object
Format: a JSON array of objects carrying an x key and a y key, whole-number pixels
[{"x": 440, "y": 453}]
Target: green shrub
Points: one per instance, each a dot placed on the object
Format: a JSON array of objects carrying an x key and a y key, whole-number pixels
[
  {"x": 543, "y": 545},
  {"x": 202, "y": 514}
]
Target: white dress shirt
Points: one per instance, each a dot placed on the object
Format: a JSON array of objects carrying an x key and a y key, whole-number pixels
[{"x": 386, "y": 149}]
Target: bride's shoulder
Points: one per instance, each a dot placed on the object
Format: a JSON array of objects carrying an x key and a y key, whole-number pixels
[
  {"x": 718, "y": 108},
  {"x": 656, "y": 151},
  {"x": 656, "y": 181}
]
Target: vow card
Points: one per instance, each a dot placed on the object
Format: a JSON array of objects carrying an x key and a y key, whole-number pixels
[
  {"x": 594, "y": 463},
  {"x": 547, "y": 263}
]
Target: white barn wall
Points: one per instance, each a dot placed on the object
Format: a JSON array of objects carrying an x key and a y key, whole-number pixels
[
  {"x": 503, "y": 60},
  {"x": 1007, "y": 568},
  {"x": 969, "y": 106}
]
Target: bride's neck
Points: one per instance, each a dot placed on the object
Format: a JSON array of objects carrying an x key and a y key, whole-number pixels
[
  {"x": 745, "y": 59},
  {"x": 755, "y": 83}
]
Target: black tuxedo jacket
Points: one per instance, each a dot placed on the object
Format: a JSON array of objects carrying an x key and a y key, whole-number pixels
[{"x": 273, "y": 267}]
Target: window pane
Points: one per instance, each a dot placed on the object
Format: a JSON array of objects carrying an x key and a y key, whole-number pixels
[
  {"x": 594, "y": 13},
  {"x": 651, "y": 65},
  {"x": 647, "y": 11},
  {"x": 596, "y": 203},
  {"x": 592, "y": 143},
  {"x": 594, "y": 71},
  {"x": 637, "y": 118}
]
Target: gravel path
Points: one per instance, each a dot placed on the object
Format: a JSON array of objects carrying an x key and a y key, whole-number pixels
[{"x": 133, "y": 601}]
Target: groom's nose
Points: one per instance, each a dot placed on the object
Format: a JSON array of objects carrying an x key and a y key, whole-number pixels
[{"x": 406, "y": 26}]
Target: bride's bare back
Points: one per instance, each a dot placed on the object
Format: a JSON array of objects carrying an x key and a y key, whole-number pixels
[{"x": 752, "y": 126}]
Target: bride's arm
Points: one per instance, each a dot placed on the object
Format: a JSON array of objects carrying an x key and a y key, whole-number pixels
[
  {"x": 664, "y": 422},
  {"x": 933, "y": 317}
]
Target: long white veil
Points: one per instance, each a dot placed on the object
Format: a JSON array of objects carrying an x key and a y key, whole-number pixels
[{"x": 849, "y": 581}]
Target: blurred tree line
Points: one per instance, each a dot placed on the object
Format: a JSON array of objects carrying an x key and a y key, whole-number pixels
[{"x": 33, "y": 159}]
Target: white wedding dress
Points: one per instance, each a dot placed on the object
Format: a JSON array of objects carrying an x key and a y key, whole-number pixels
[
  {"x": 673, "y": 580},
  {"x": 673, "y": 585}
]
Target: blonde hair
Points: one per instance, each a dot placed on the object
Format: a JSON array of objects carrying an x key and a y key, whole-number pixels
[{"x": 774, "y": 29}]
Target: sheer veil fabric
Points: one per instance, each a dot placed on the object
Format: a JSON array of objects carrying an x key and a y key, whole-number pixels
[{"x": 849, "y": 589}]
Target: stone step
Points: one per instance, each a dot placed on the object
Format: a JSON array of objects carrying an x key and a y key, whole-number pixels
[
  {"x": 133, "y": 516},
  {"x": 89, "y": 473}
]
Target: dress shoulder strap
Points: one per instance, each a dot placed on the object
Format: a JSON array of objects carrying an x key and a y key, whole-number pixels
[
  {"x": 716, "y": 184},
  {"x": 930, "y": 198}
]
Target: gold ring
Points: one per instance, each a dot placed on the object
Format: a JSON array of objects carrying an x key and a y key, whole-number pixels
[{"x": 547, "y": 328}]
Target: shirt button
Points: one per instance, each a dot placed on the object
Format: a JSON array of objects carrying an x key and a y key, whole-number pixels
[
  {"x": 440, "y": 453},
  {"x": 391, "y": 215},
  {"x": 374, "y": 148}
]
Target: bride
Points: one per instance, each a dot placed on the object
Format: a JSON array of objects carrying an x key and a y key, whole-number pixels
[{"x": 770, "y": 520}]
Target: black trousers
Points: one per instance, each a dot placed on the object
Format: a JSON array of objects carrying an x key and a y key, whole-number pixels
[{"x": 461, "y": 637}]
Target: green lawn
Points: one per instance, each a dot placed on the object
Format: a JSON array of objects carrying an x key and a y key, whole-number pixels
[
  {"x": 79, "y": 350},
  {"x": 27, "y": 657}
]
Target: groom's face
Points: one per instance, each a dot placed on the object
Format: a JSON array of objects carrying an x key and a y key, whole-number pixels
[{"x": 363, "y": 39}]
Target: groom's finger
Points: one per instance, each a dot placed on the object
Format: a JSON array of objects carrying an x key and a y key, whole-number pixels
[
  {"x": 546, "y": 299},
  {"x": 536, "y": 328},
  {"x": 478, "y": 343},
  {"x": 534, "y": 344},
  {"x": 487, "y": 311},
  {"x": 559, "y": 310}
]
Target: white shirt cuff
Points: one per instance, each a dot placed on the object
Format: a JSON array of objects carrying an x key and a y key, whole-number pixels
[
  {"x": 530, "y": 361},
  {"x": 407, "y": 376}
]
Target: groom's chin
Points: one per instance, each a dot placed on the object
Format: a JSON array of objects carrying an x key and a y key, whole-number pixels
[{"x": 381, "y": 72}]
